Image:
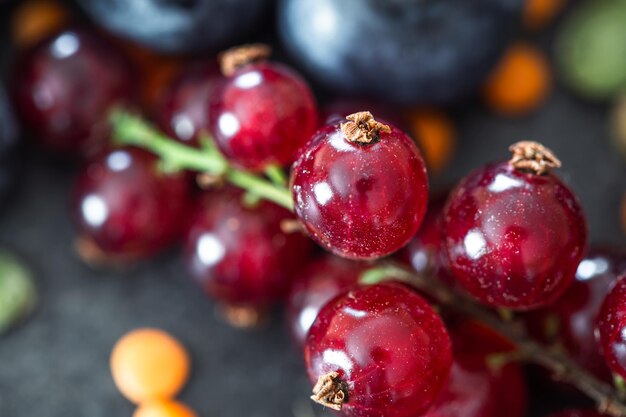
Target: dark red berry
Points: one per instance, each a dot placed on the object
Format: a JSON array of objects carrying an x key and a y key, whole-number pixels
[
  {"x": 569, "y": 322},
  {"x": 64, "y": 88},
  {"x": 262, "y": 115},
  {"x": 611, "y": 327},
  {"x": 359, "y": 199},
  {"x": 125, "y": 208},
  {"x": 184, "y": 111},
  {"x": 514, "y": 237},
  {"x": 383, "y": 350},
  {"x": 475, "y": 387},
  {"x": 423, "y": 252},
  {"x": 238, "y": 254},
  {"x": 321, "y": 281}
]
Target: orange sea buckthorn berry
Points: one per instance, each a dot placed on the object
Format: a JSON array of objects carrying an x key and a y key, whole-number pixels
[
  {"x": 34, "y": 20},
  {"x": 164, "y": 408},
  {"x": 435, "y": 135},
  {"x": 520, "y": 82},
  {"x": 149, "y": 364},
  {"x": 539, "y": 13}
]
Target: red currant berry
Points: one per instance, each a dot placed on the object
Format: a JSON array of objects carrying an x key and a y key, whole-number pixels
[
  {"x": 514, "y": 232},
  {"x": 125, "y": 208},
  {"x": 474, "y": 388},
  {"x": 611, "y": 328},
  {"x": 261, "y": 114},
  {"x": 64, "y": 87},
  {"x": 423, "y": 252},
  {"x": 184, "y": 110},
  {"x": 238, "y": 254},
  {"x": 577, "y": 413},
  {"x": 569, "y": 322},
  {"x": 378, "y": 350},
  {"x": 321, "y": 281},
  {"x": 360, "y": 187}
]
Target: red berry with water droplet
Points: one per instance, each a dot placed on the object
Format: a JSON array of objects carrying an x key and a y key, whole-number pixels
[
  {"x": 321, "y": 281},
  {"x": 263, "y": 112},
  {"x": 183, "y": 113},
  {"x": 360, "y": 187},
  {"x": 238, "y": 254},
  {"x": 514, "y": 232},
  {"x": 611, "y": 327},
  {"x": 476, "y": 387},
  {"x": 569, "y": 322},
  {"x": 125, "y": 208},
  {"x": 64, "y": 88},
  {"x": 378, "y": 350}
]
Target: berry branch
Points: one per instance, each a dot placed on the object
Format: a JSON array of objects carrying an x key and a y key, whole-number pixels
[
  {"x": 607, "y": 399},
  {"x": 133, "y": 131}
]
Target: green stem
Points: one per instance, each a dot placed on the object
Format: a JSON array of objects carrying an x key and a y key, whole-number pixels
[
  {"x": 276, "y": 174},
  {"x": 132, "y": 130}
]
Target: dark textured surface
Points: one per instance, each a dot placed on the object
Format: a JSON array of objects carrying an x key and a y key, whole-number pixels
[{"x": 56, "y": 365}]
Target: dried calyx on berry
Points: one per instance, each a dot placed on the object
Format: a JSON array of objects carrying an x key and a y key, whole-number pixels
[
  {"x": 233, "y": 59},
  {"x": 362, "y": 128},
  {"x": 330, "y": 391},
  {"x": 533, "y": 157}
]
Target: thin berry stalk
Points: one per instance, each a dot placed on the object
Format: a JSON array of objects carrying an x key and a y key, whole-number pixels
[{"x": 133, "y": 131}]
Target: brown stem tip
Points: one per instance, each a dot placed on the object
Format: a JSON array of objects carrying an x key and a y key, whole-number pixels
[
  {"x": 534, "y": 157},
  {"x": 330, "y": 391},
  {"x": 362, "y": 128},
  {"x": 234, "y": 58}
]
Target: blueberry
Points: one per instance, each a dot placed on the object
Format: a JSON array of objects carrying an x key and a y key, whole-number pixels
[
  {"x": 178, "y": 26},
  {"x": 411, "y": 51}
]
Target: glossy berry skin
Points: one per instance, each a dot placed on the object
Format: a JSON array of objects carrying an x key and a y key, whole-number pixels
[
  {"x": 184, "y": 110},
  {"x": 262, "y": 115},
  {"x": 174, "y": 26},
  {"x": 473, "y": 388},
  {"x": 406, "y": 51},
  {"x": 569, "y": 322},
  {"x": 513, "y": 239},
  {"x": 387, "y": 344},
  {"x": 423, "y": 252},
  {"x": 126, "y": 207},
  {"x": 65, "y": 86},
  {"x": 611, "y": 327},
  {"x": 321, "y": 281},
  {"x": 239, "y": 255},
  {"x": 9, "y": 143},
  {"x": 360, "y": 200}
]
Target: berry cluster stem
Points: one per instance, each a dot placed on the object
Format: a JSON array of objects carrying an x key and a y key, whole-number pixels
[
  {"x": 607, "y": 399},
  {"x": 174, "y": 156}
]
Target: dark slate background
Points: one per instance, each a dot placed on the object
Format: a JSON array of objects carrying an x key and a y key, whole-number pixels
[{"x": 56, "y": 364}]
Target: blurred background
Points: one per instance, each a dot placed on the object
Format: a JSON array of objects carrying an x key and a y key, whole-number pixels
[{"x": 464, "y": 78}]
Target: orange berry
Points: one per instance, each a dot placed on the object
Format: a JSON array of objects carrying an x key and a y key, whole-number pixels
[
  {"x": 34, "y": 20},
  {"x": 164, "y": 408},
  {"x": 435, "y": 135},
  {"x": 149, "y": 364},
  {"x": 520, "y": 82},
  {"x": 539, "y": 13}
]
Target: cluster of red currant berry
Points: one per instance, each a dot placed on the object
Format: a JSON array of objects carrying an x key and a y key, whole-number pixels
[{"x": 511, "y": 235}]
